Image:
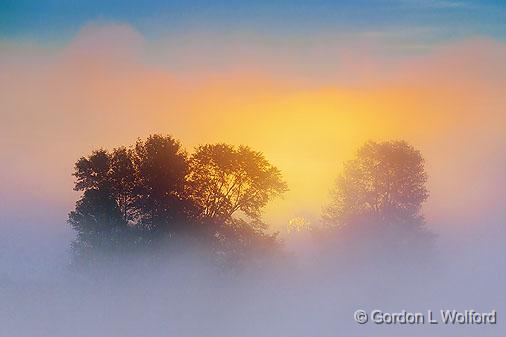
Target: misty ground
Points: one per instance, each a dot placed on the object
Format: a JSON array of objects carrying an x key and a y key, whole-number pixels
[{"x": 306, "y": 292}]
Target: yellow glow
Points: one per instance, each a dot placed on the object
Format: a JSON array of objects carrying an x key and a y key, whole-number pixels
[{"x": 73, "y": 103}]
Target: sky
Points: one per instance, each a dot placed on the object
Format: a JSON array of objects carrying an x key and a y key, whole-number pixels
[
  {"x": 304, "y": 82},
  {"x": 61, "y": 19}
]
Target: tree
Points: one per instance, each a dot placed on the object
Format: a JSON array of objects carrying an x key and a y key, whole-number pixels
[
  {"x": 229, "y": 187},
  {"x": 97, "y": 218},
  {"x": 92, "y": 172},
  {"x": 129, "y": 190},
  {"x": 152, "y": 192},
  {"x": 98, "y": 223},
  {"x": 224, "y": 181},
  {"x": 123, "y": 181},
  {"x": 161, "y": 167},
  {"x": 112, "y": 173},
  {"x": 380, "y": 195}
]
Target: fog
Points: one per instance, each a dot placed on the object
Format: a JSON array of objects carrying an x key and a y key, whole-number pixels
[
  {"x": 108, "y": 85},
  {"x": 306, "y": 291}
]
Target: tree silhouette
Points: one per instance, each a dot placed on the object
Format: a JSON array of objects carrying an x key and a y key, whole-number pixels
[
  {"x": 230, "y": 186},
  {"x": 92, "y": 172},
  {"x": 97, "y": 218},
  {"x": 380, "y": 194},
  {"x": 123, "y": 180},
  {"x": 225, "y": 181},
  {"x": 161, "y": 167},
  {"x": 152, "y": 192}
]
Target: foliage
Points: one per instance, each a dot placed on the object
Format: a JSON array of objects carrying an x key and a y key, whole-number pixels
[
  {"x": 154, "y": 193},
  {"x": 224, "y": 180},
  {"x": 378, "y": 198},
  {"x": 385, "y": 180},
  {"x": 160, "y": 165}
]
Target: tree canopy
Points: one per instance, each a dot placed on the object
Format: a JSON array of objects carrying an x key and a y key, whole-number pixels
[
  {"x": 160, "y": 167},
  {"x": 225, "y": 180},
  {"x": 380, "y": 194},
  {"x": 154, "y": 191}
]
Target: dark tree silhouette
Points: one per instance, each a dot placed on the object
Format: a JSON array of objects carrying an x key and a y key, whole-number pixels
[
  {"x": 380, "y": 195},
  {"x": 97, "y": 221},
  {"x": 123, "y": 181},
  {"x": 97, "y": 218},
  {"x": 152, "y": 192},
  {"x": 93, "y": 172},
  {"x": 161, "y": 167}
]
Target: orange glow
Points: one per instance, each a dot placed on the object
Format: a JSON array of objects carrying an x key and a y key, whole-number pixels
[{"x": 69, "y": 102}]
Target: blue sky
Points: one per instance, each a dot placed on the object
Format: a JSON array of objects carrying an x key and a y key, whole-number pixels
[{"x": 437, "y": 19}]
